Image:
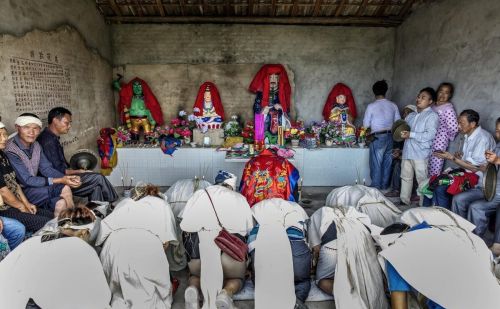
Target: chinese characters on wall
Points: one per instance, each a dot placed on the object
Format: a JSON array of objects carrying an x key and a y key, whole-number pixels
[{"x": 40, "y": 83}]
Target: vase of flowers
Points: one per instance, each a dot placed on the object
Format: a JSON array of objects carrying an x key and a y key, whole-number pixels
[
  {"x": 182, "y": 126},
  {"x": 295, "y": 133},
  {"x": 122, "y": 136}
]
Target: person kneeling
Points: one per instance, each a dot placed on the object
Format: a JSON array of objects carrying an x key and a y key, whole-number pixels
[{"x": 206, "y": 213}]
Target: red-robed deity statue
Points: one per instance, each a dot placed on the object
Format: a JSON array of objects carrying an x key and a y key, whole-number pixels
[
  {"x": 138, "y": 106},
  {"x": 272, "y": 102},
  {"x": 208, "y": 107}
]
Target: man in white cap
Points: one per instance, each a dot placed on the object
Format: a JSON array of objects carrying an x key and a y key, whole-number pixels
[
  {"x": 52, "y": 189},
  {"x": 15, "y": 205}
]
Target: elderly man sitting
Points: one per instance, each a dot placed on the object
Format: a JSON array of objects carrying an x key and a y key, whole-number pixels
[
  {"x": 16, "y": 204},
  {"x": 43, "y": 185}
]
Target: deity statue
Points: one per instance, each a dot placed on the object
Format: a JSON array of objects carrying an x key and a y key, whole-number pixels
[
  {"x": 272, "y": 103},
  {"x": 340, "y": 109},
  {"x": 208, "y": 107},
  {"x": 138, "y": 107}
]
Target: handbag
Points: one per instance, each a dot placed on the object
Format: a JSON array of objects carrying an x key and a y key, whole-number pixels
[{"x": 227, "y": 242}]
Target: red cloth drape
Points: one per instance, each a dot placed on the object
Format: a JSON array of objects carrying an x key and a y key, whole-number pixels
[
  {"x": 261, "y": 83},
  {"x": 337, "y": 90},
  {"x": 216, "y": 101},
  {"x": 150, "y": 100}
]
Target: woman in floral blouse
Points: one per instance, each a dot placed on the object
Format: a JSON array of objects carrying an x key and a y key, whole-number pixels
[{"x": 448, "y": 126}]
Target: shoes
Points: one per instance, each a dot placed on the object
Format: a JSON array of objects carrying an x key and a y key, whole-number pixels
[
  {"x": 392, "y": 194},
  {"x": 415, "y": 198},
  {"x": 299, "y": 304},
  {"x": 223, "y": 301},
  {"x": 384, "y": 191},
  {"x": 191, "y": 298}
]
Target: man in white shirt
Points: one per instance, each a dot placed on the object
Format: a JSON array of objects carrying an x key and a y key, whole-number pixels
[
  {"x": 379, "y": 117},
  {"x": 471, "y": 204}
]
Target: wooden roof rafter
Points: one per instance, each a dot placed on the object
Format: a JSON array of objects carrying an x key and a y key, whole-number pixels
[{"x": 384, "y": 13}]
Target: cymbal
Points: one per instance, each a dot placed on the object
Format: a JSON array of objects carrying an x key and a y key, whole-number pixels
[
  {"x": 83, "y": 159},
  {"x": 490, "y": 182},
  {"x": 398, "y": 127}
]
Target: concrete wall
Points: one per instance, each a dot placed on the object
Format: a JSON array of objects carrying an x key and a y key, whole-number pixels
[
  {"x": 456, "y": 41},
  {"x": 56, "y": 53},
  {"x": 316, "y": 57}
]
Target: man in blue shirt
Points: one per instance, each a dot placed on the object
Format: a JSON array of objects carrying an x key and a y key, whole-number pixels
[
  {"x": 379, "y": 117},
  {"x": 418, "y": 141},
  {"x": 43, "y": 185},
  {"x": 94, "y": 186}
]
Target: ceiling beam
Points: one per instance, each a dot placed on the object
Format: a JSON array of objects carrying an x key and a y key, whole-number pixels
[
  {"x": 382, "y": 7},
  {"x": 317, "y": 6},
  {"x": 115, "y": 8},
  {"x": 294, "y": 8},
  {"x": 250, "y": 7},
  {"x": 227, "y": 8},
  {"x": 181, "y": 7},
  {"x": 361, "y": 8},
  {"x": 364, "y": 21},
  {"x": 406, "y": 8},
  {"x": 139, "y": 8},
  {"x": 205, "y": 7},
  {"x": 160, "y": 7},
  {"x": 339, "y": 8}
]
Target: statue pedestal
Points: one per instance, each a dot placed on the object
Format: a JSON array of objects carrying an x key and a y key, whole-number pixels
[{"x": 216, "y": 136}]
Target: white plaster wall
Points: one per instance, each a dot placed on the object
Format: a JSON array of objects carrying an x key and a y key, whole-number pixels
[{"x": 318, "y": 56}]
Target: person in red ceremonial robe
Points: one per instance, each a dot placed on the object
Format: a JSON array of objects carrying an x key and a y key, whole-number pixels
[
  {"x": 272, "y": 100},
  {"x": 340, "y": 97},
  {"x": 269, "y": 176},
  {"x": 208, "y": 107}
]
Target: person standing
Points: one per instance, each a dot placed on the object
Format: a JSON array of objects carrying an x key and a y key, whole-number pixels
[
  {"x": 448, "y": 126},
  {"x": 418, "y": 141},
  {"x": 379, "y": 117}
]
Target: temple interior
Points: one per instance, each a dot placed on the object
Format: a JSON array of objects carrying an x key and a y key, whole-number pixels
[{"x": 83, "y": 55}]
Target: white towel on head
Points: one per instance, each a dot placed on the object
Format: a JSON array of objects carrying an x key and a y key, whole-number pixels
[{"x": 25, "y": 120}]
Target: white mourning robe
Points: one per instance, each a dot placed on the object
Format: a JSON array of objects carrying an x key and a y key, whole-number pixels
[
  {"x": 273, "y": 254},
  {"x": 177, "y": 196},
  {"x": 133, "y": 257},
  {"x": 58, "y": 274},
  {"x": 358, "y": 279},
  {"x": 447, "y": 265},
  {"x": 199, "y": 217},
  {"x": 181, "y": 191},
  {"x": 380, "y": 209}
]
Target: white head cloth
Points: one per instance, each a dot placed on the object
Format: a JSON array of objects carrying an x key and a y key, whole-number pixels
[
  {"x": 2, "y": 126},
  {"x": 411, "y": 107},
  {"x": 25, "y": 120}
]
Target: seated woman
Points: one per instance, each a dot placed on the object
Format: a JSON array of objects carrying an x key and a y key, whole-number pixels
[
  {"x": 16, "y": 205},
  {"x": 346, "y": 258},
  {"x": 11, "y": 235},
  {"x": 71, "y": 276},
  {"x": 213, "y": 272},
  {"x": 134, "y": 237},
  {"x": 280, "y": 256},
  {"x": 437, "y": 243}
]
